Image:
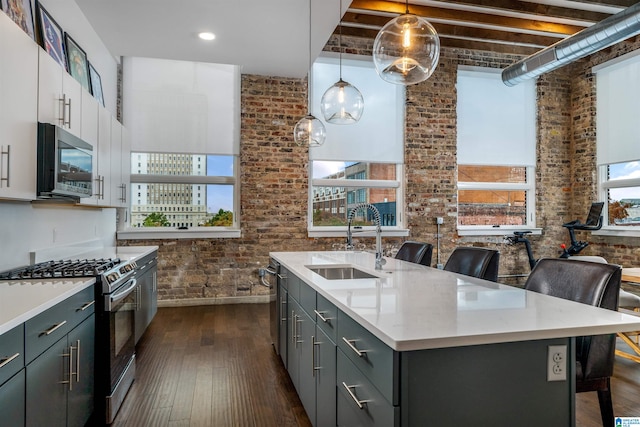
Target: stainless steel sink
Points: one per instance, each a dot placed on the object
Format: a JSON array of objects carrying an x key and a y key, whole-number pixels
[{"x": 341, "y": 273}]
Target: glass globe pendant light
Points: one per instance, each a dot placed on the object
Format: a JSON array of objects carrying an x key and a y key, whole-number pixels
[
  {"x": 342, "y": 103},
  {"x": 309, "y": 130},
  {"x": 406, "y": 50}
]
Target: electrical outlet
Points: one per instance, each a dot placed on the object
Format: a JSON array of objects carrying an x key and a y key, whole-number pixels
[
  {"x": 557, "y": 363},
  {"x": 439, "y": 220}
]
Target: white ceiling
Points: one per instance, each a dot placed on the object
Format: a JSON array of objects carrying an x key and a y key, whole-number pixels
[{"x": 265, "y": 37}]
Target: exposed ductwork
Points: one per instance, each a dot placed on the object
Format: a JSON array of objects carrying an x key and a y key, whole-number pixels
[{"x": 608, "y": 32}]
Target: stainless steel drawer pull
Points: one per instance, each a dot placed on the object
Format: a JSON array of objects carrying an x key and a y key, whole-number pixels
[
  {"x": 350, "y": 343},
  {"x": 8, "y": 360},
  {"x": 53, "y": 328},
  {"x": 78, "y": 361},
  {"x": 8, "y": 154},
  {"x": 320, "y": 316},
  {"x": 314, "y": 343},
  {"x": 87, "y": 305},
  {"x": 360, "y": 403}
]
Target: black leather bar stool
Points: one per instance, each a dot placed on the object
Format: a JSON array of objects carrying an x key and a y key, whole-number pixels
[
  {"x": 476, "y": 262},
  {"x": 417, "y": 252}
]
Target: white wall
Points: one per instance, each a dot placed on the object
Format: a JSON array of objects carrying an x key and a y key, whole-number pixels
[
  {"x": 26, "y": 227},
  {"x": 69, "y": 16}
]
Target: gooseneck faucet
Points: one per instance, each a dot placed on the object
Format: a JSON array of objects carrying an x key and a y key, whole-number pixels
[{"x": 376, "y": 218}]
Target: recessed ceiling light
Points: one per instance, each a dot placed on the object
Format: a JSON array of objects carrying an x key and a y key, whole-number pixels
[{"x": 207, "y": 36}]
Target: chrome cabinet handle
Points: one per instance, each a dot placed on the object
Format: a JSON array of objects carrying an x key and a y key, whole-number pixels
[
  {"x": 314, "y": 343},
  {"x": 69, "y": 106},
  {"x": 353, "y": 396},
  {"x": 53, "y": 328},
  {"x": 283, "y": 309},
  {"x": 320, "y": 316},
  {"x": 298, "y": 320},
  {"x": 293, "y": 327},
  {"x": 8, "y": 360},
  {"x": 8, "y": 154},
  {"x": 78, "y": 361},
  {"x": 86, "y": 305},
  {"x": 351, "y": 345},
  {"x": 65, "y": 104}
]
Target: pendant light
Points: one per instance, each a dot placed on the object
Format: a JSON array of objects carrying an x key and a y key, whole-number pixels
[
  {"x": 342, "y": 103},
  {"x": 406, "y": 50},
  {"x": 309, "y": 130}
]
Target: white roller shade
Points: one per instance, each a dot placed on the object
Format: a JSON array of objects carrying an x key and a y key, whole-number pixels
[
  {"x": 379, "y": 134},
  {"x": 617, "y": 107},
  {"x": 181, "y": 107},
  {"x": 496, "y": 123}
]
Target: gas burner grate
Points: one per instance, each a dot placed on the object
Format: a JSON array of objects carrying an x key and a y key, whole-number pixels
[{"x": 61, "y": 269}]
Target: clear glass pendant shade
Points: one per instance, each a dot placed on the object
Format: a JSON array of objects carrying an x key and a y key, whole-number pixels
[
  {"x": 309, "y": 131},
  {"x": 342, "y": 104},
  {"x": 406, "y": 50}
]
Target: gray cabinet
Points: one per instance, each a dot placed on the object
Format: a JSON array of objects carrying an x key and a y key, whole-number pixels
[
  {"x": 282, "y": 310},
  {"x": 311, "y": 353},
  {"x": 60, "y": 349},
  {"x": 146, "y": 293},
  {"x": 12, "y": 380}
]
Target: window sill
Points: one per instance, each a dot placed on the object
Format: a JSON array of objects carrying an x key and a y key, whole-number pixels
[
  {"x": 172, "y": 233},
  {"x": 615, "y": 232},
  {"x": 399, "y": 232},
  {"x": 497, "y": 231}
]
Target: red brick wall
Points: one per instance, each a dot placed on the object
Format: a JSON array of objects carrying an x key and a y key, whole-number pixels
[{"x": 274, "y": 179}]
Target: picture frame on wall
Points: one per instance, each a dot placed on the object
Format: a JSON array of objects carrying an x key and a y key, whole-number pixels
[
  {"x": 96, "y": 84},
  {"x": 51, "y": 36},
  {"x": 21, "y": 13},
  {"x": 77, "y": 63}
]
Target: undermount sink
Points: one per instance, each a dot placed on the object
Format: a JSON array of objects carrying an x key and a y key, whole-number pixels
[{"x": 341, "y": 273}]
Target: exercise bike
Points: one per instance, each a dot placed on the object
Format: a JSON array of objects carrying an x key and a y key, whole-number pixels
[{"x": 593, "y": 222}]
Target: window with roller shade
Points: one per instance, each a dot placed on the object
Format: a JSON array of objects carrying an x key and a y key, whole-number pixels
[
  {"x": 361, "y": 162},
  {"x": 496, "y": 142},
  {"x": 184, "y": 119},
  {"x": 618, "y": 141}
]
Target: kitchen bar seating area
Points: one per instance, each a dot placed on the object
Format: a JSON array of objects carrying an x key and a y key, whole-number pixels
[{"x": 342, "y": 209}]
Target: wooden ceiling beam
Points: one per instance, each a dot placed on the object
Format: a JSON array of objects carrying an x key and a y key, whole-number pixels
[{"x": 471, "y": 18}]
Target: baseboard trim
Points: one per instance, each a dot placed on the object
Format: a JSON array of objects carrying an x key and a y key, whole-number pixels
[{"x": 189, "y": 302}]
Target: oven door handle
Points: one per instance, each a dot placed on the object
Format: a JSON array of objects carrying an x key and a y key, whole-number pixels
[{"x": 123, "y": 294}]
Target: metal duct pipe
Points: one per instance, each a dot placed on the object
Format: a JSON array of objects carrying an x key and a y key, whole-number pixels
[{"x": 608, "y": 32}]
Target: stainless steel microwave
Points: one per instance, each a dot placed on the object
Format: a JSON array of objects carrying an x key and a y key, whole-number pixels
[{"x": 65, "y": 164}]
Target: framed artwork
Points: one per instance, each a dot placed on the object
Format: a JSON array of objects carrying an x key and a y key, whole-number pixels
[
  {"x": 20, "y": 12},
  {"x": 51, "y": 36},
  {"x": 96, "y": 84},
  {"x": 77, "y": 63}
]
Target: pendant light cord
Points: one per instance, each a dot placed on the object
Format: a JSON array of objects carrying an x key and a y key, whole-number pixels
[
  {"x": 340, "y": 37},
  {"x": 309, "y": 60},
  {"x": 407, "y": 7}
]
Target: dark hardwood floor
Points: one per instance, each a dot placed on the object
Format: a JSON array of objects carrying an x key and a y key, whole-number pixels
[{"x": 215, "y": 366}]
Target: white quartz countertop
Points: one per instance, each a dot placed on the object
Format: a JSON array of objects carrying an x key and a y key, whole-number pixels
[
  {"x": 20, "y": 300},
  {"x": 412, "y": 307}
]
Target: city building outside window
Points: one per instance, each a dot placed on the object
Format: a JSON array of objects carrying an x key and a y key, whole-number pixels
[
  {"x": 496, "y": 141},
  {"x": 618, "y": 150}
]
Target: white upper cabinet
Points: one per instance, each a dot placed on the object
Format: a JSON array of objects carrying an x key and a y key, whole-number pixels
[{"x": 18, "y": 111}]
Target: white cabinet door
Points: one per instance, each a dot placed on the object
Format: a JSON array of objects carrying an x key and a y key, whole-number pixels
[
  {"x": 120, "y": 164},
  {"x": 89, "y": 133},
  {"x": 103, "y": 171},
  {"x": 18, "y": 111},
  {"x": 59, "y": 95}
]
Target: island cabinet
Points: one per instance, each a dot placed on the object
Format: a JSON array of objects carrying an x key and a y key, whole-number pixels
[
  {"x": 12, "y": 379},
  {"x": 311, "y": 352},
  {"x": 60, "y": 353}
]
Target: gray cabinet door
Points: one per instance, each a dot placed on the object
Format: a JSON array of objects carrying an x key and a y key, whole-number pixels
[
  {"x": 325, "y": 368},
  {"x": 293, "y": 347},
  {"x": 283, "y": 317},
  {"x": 306, "y": 371},
  {"x": 12, "y": 401},
  {"x": 147, "y": 300},
  {"x": 47, "y": 383},
  {"x": 81, "y": 392}
]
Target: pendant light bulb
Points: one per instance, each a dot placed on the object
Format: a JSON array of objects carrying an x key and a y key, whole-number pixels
[
  {"x": 406, "y": 50},
  {"x": 342, "y": 103}
]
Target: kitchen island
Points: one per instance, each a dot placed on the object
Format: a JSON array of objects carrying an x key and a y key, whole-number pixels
[{"x": 411, "y": 345}]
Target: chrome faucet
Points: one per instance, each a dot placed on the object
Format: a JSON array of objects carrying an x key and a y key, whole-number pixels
[{"x": 380, "y": 261}]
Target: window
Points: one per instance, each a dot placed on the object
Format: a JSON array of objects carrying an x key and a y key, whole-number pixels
[
  {"x": 194, "y": 192},
  {"x": 618, "y": 149},
  {"x": 361, "y": 162},
  {"x": 496, "y": 153}
]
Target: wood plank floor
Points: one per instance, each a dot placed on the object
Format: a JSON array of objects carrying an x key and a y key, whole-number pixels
[{"x": 214, "y": 366}]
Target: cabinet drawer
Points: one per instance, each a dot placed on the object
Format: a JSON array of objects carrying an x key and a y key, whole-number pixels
[
  {"x": 355, "y": 389},
  {"x": 48, "y": 327},
  {"x": 292, "y": 285},
  {"x": 377, "y": 361},
  {"x": 326, "y": 317},
  {"x": 307, "y": 298},
  {"x": 11, "y": 352}
]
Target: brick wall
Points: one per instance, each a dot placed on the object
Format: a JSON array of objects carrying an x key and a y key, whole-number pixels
[{"x": 274, "y": 178}]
